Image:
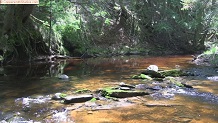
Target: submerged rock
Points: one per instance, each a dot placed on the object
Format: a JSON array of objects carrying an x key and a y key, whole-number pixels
[
  {"x": 59, "y": 117},
  {"x": 140, "y": 86},
  {"x": 122, "y": 84},
  {"x": 14, "y": 118},
  {"x": 176, "y": 81},
  {"x": 81, "y": 91}
]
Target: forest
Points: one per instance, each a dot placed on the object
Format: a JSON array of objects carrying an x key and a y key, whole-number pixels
[
  {"x": 81, "y": 28},
  {"x": 109, "y": 61}
]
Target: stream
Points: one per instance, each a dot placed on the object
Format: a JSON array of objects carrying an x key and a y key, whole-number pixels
[{"x": 26, "y": 90}]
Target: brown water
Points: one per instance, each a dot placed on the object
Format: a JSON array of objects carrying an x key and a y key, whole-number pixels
[{"x": 199, "y": 106}]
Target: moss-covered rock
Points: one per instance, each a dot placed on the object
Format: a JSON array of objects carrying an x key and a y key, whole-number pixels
[
  {"x": 164, "y": 73},
  {"x": 153, "y": 74},
  {"x": 172, "y": 72},
  {"x": 176, "y": 81},
  {"x": 115, "y": 92},
  {"x": 141, "y": 76},
  {"x": 173, "y": 81}
]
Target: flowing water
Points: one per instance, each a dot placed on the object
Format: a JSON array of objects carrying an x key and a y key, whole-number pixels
[{"x": 25, "y": 91}]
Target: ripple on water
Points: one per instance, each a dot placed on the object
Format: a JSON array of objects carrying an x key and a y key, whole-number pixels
[
  {"x": 213, "y": 78},
  {"x": 205, "y": 96},
  {"x": 62, "y": 116},
  {"x": 27, "y": 101}
]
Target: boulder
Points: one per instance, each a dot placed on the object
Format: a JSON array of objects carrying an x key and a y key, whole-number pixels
[
  {"x": 173, "y": 73},
  {"x": 164, "y": 73},
  {"x": 152, "y": 68},
  {"x": 153, "y": 74}
]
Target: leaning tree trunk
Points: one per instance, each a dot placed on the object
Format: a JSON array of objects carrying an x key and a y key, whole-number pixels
[
  {"x": 19, "y": 38},
  {"x": 15, "y": 17}
]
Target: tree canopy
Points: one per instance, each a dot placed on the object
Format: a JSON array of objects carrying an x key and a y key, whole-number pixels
[{"x": 106, "y": 27}]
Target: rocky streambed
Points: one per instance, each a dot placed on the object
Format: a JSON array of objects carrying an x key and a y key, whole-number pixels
[
  {"x": 148, "y": 89},
  {"x": 157, "y": 84}
]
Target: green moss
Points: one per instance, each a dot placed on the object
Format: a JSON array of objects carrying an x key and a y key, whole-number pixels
[
  {"x": 173, "y": 72},
  {"x": 175, "y": 82},
  {"x": 93, "y": 100},
  {"x": 179, "y": 84},
  {"x": 141, "y": 76},
  {"x": 62, "y": 95},
  {"x": 110, "y": 90},
  {"x": 135, "y": 77},
  {"x": 108, "y": 97},
  {"x": 117, "y": 93}
]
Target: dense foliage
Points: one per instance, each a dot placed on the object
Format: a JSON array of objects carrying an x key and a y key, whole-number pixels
[{"x": 111, "y": 27}]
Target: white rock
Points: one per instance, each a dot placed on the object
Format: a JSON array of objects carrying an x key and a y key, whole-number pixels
[
  {"x": 122, "y": 83},
  {"x": 63, "y": 76},
  {"x": 152, "y": 67}
]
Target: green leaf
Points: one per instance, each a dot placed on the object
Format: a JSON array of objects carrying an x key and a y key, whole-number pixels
[
  {"x": 107, "y": 21},
  {"x": 1, "y": 58}
]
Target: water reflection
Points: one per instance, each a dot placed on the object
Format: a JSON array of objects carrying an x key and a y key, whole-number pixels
[{"x": 20, "y": 79}]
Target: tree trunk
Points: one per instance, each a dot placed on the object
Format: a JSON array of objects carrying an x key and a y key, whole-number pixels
[
  {"x": 19, "y": 38},
  {"x": 15, "y": 17}
]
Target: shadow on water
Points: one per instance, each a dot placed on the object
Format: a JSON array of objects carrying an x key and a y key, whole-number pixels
[
  {"x": 21, "y": 78},
  {"x": 24, "y": 88},
  {"x": 36, "y": 78}
]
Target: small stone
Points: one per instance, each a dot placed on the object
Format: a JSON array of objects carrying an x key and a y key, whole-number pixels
[
  {"x": 140, "y": 86},
  {"x": 124, "y": 88},
  {"x": 156, "y": 87},
  {"x": 90, "y": 112},
  {"x": 122, "y": 84},
  {"x": 63, "y": 76},
  {"x": 57, "y": 96}
]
